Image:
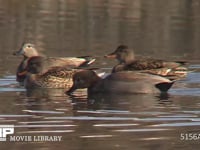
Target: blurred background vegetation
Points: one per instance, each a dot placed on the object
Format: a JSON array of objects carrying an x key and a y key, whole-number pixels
[{"x": 159, "y": 28}]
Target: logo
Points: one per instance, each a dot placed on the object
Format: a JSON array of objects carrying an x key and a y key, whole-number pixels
[{"x": 5, "y": 130}]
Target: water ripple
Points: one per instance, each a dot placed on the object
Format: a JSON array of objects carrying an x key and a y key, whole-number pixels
[
  {"x": 178, "y": 124},
  {"x": 43, "y": 111},
  {"x": 93, "y": 118},
  {"x": 121, "y": 112},
  {"x": 15, "y": 116},
  {"x": 95, "y": 136},
  {"x": 186, "y": 91},
  {"x": 43, "y": 126},
  {"x": 38, "y": 122},
  {"x": 114, "y": 125},
  {"x": 141, "y": 130},
  {"x": 47, "y": 131}
]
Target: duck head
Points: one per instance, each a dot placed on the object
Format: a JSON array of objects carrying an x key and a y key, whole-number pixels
[
  {"x": 84, "y": 79},
  {"x": 27, "y": 50},
  {"x": 123, "y": 54}
]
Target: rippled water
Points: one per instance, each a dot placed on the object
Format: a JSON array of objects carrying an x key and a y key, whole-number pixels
[
  {"x": 104, "y": 121},
  {"x": 74, "y": 28}
]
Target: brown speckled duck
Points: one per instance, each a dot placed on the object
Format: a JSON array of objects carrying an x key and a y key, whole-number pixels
[
  {"x": 57, "y": 77},
  {"x": 127, "y": 61},
  {"x": 28, "y": 51},
  {"x": 120, "y": 82}
]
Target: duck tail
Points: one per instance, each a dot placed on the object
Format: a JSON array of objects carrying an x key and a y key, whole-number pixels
[
  {"x": 88, "y": 61},
  {"x": 164, "y": 86},
  {"x": 182, "y": 62}
]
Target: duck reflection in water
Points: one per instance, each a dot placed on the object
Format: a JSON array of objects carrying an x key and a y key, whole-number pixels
[{"x": 118, "y": 101}]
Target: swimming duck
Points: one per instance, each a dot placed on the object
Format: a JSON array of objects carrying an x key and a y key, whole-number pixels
[
  {"x": 127, "y": 61},
  {"x": 28, "y": 51},
  {"x": 55, "y": 77},
  {"x": 120, "y": 82}
]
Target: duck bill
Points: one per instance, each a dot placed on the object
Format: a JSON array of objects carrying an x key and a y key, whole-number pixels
[
  {"x": 71, "y": 90},
  {"x": 18, "y": 53},
  {"x": 111, "y": 55}
]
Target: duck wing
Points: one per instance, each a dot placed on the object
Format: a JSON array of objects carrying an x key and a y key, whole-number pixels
[{"x": 144, "y": 64}]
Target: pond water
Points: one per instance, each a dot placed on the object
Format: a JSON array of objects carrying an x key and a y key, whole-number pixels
[{"x": 164, "y": 29}]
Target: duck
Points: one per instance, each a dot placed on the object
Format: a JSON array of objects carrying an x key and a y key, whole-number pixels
[
  {"x": 127, "y": 61},
  {"x": 56, "y": 77},
  {"x": 120, "y": 82},
  {"x": 29, "y": 51}
]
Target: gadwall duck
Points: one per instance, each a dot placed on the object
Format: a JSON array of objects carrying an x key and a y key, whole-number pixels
[
  {"x": 28, "y": 51},
  {"x": 127, "y": 61},
  {"x": 120, "y": 82}
]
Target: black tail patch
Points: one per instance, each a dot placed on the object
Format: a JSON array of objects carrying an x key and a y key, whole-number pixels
[
  {"x": 182, "y": 62},
  {"x": 88, "y": 61},
  {"x": 164, "y": 86}
]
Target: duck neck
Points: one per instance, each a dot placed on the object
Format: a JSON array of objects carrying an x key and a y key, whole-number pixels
[
  {"x": 119, "y": 67},
  {"x": 31, "y": 53},
  {"x": 29, "y": 80},
  {"x": 95, "y": 85},
  {"x": 129, "y": 59}
]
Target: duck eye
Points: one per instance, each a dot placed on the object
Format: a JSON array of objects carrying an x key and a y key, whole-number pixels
[{"x": 125, "y": 51}]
